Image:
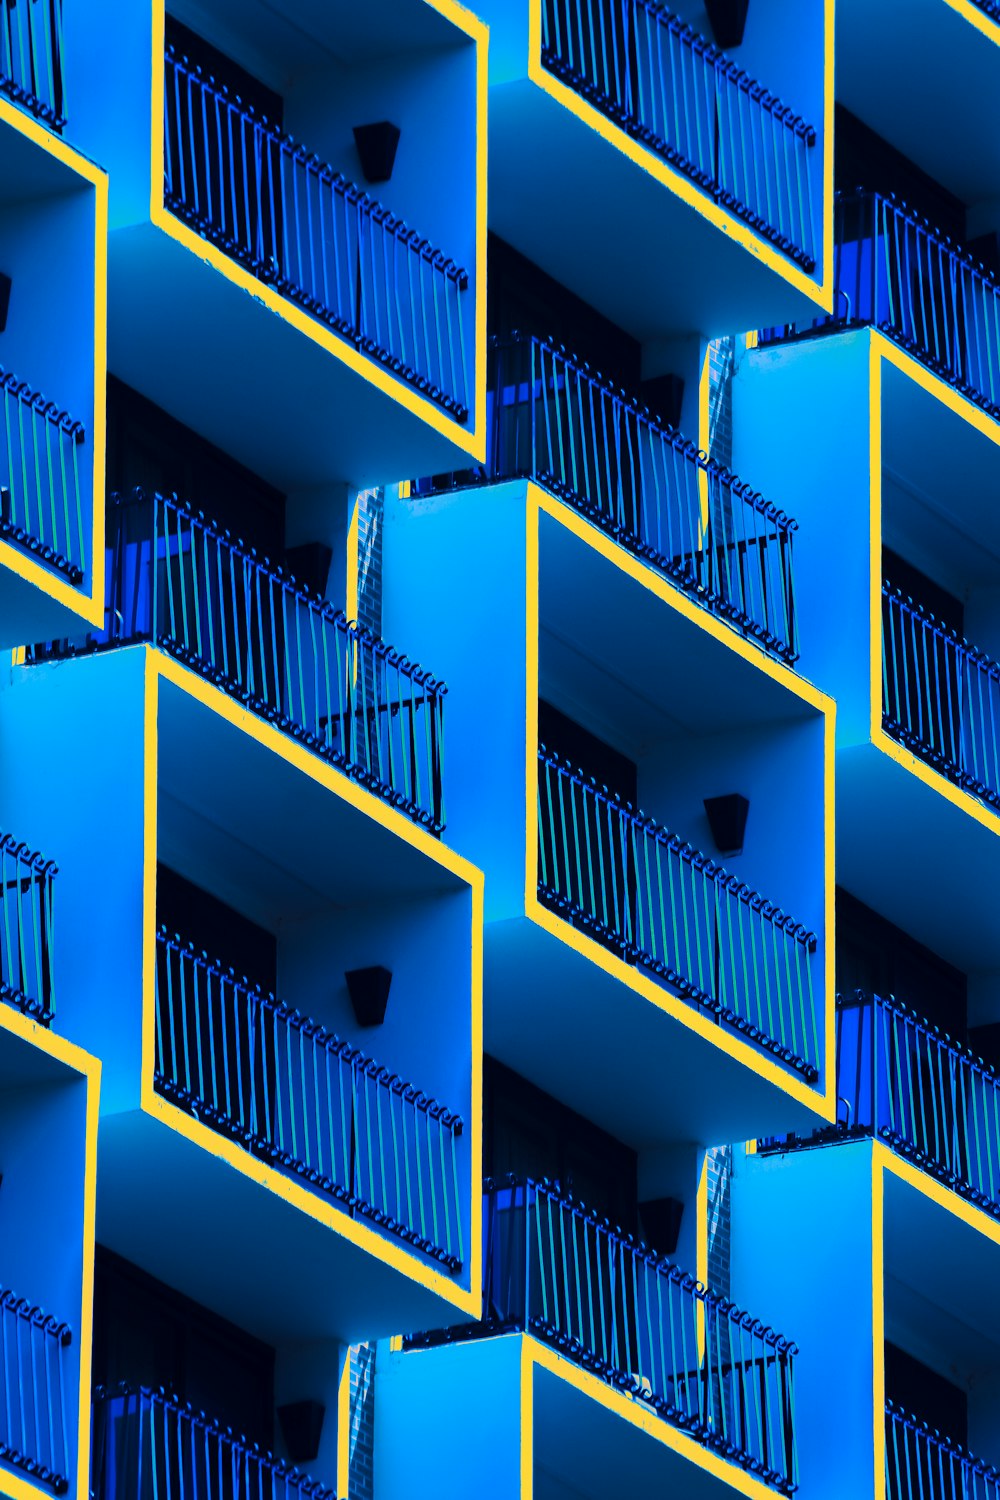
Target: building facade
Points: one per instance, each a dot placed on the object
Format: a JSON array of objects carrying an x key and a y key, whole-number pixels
[{"x": 499, "y": 499}]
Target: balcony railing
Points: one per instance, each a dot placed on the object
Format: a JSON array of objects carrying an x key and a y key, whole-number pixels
[
  {"x": 920, "y": 1464},
  {"x": 26, "y": 887},
  {"x": 553, "y": 420},
  {"x": 31, "y": 57},
  {"x": 295, "y": 1095},
  {"x": 661, "y": 904},
  {"x": 894, "y": 270},
  {"x": 299, "y": 225},
  {"x": 654, "y": 76},
  {"x": 174, "y": 580},
  {"x": 147, "y": 1443},
  {"x": 940, "y": 696},
  {"x": 41, "y": 500},
  {"x": 553, "y": 1269},
  {"x": 36, "y": 1403}
]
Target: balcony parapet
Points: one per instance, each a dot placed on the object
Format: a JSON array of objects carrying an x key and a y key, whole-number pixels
[
  {"x": 556, "y": 421},
  {"x": 897, "y": 272},
  {"x": 293, "y": 221},
  {"x": 922, "y": 1464},
  {"x": 31, "y": 58},
  {"x": 176, "y": 581},
  {"x": 34, "y": 1418},
  {"x": 663, "y": 905},
  {"x": 26, "y": 893},
  {"x": 41, "y": 506},
  {"x": 146, "y": 1437},
  {"x": 940, "y": 696},
  {"x": 684, "y": 99},
  {"x": 297, "y": 1096},
  {"x": 554, "y": 1269}
]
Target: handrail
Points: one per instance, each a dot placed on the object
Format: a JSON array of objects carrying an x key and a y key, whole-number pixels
[
  {"x": 556, "y": 420},
  {"x": 922, "y": 1464},
  {"x": 175, "y": 580},
  {"x": 286, "y": 1088},
  {"x": 895, "y": 270},
  {"x": 141, "y": 1430},
  {"x": 664, "y": 905},
  {"x": 940, "y": 695},
  {"x": 34, "y": 1375},
  {"x": 653, "y": 75},
  {"x": 41, "y": 499},
  {"x": 245, "y": 184},
  {"x": 26, "y": 918},
  {"x": 31, "y": 58},
  {"x": 634, "y": 1318}
]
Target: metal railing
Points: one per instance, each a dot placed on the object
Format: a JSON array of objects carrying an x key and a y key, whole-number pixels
[
  {"x": 553, "y": 1269},
  {"x": 661, "y": 904},
  {"x": 175, "y": 580},
  {"x": 650, "y": 73},
  {"x": 148, "y": 1445},
  {"x": 893, "y": 269},
  {"x": 554, "y": 420},
  {"x": 940, "y": 696},
  {"x": 36, "y": 1407},
  {"x": 41, "y": 500},
  {"x": 26, "y": 890},
  {"x": 296, "y": 223},
  {"x": 921, "y": 1464},
  {"x": 293, "y": 1093},
  {"x": 31, "y": 57}
]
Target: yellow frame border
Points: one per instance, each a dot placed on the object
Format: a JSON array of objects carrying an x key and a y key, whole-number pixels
[
  {"x": 87, "y": 606},
  {"x": 682, "y": 187},
  {"x": 159, "y": 667},
  {"x": 539, "y": 503},
  {"x": 471, "y": 441},
  {"x": 74, "y": 1058}
]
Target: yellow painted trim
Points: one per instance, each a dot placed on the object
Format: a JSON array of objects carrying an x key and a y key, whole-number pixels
[
  {"x": 829, "y": 90},
  {"x": 640, "y": 1416},
  {"x": 353, "y": 592},
  {"x": 701, "y": 1223},
  {"x": 527, "y": 1420},
  {"x": 682, "y": 187},
  {"x": 159, "y": 667},
  {"x": 944, "y": 1197},
  {"x": 878, "y": 1323},
  {"x": 973, "y": 16},
  {"x": 890, "y": 353},
  {"x": 344, "y": 1428},
  {"x": 875, "y": 538}
]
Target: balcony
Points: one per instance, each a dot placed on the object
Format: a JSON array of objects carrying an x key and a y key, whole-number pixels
[
  {"x": 894, "y": 270},
  {"x": 662, "y": 905},
  {"x": 147, "y": 1441},
  {"x": 31, "y": 58},
  {"x": 556, "y": 421},
  {"x": 302, "y": 227},
  {"x": 683, "y": 99},
  {"x": 638, "y": 1322},
  {"x": 37, "y": 1406},
  {"x": 41, "y": 494},
  {"x": 921, "y": 1464},
  {"x": 26, "y": 888},
  {"x": 940, "y": 696},
  {"x": 298, "y": 1097},
  {"x": 175, "y": 581}
]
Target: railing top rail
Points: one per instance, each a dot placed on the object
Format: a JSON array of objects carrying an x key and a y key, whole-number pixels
[
  {"x": 941, "y": 630},
  {"x": 162, "y": 1397},
  {"x": 22, "y": 851},
  {"x": 547, "y": 1188},
  {"x": 312, "y": 1030},
  {"x": 657, "y": 11},
  {"x": 46, "y": 408},
  {"x": 392, "y": 223},
  {"x": 30, "y": 1312},
  {"x": 692, "y": 856},
  {"x": 901, "y": 209},
  {"x": 944, "y": 1443},
  {"x": 927, "y": 1028},
  {"x": 683, "y": 445},
  {"x": 287, "y": 581}
]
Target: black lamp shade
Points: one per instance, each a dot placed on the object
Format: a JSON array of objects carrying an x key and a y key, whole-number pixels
[
  {"x": 727, "y": 818},
  {"x": 369, "y": 992},
  {"x": 728, "y": 19},
  {"x": 302, "y": 1428},
  {"x": 377, "y": 149},
  {"x": 660, "y": 1219}
]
